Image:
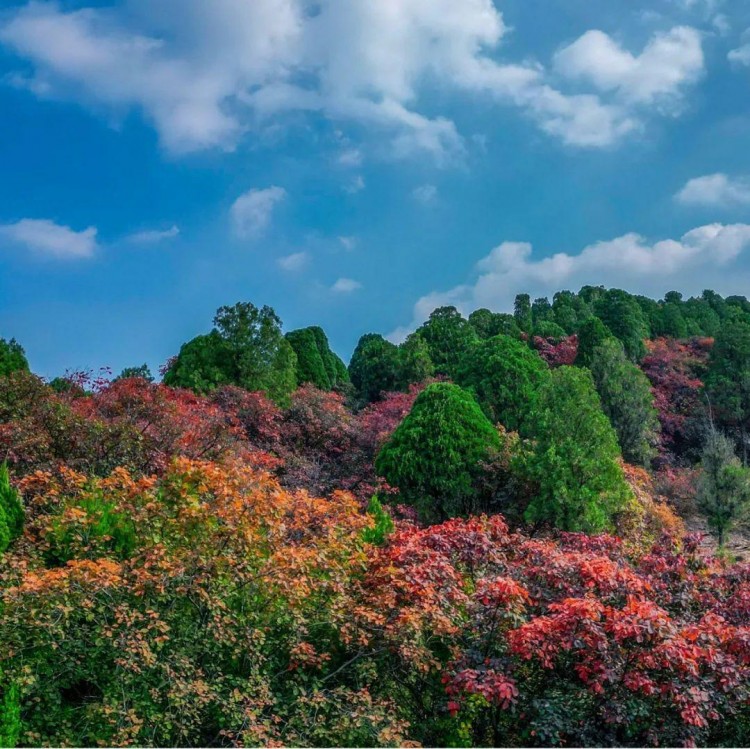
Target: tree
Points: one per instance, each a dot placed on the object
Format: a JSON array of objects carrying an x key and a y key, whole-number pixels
[
  {"x": 374, "y": 367},
  {"x": 11, "y": 510},
  {"x": 724, "y": 485},
  {"x": 728, "y": 380},
  {"x": 12, "y": 357},
  {"x": 522, "y": 312},
  {"x": 448, "y": 336},
  {"x": 592, "y": 334},
  {"x": 622, "y": 314},
  {"x": 203, "y": 364},
  {"x": 505, "y": 375},
  {"x": 627, "y": 400},
  {"x": 415, "y": 364},
  {"x": 435, "y": 455},
  {"x": 574, "y": 456},
  {"x": 316, "y": 363},
  {"x": 488, "y": 324},
  {"x": 245, "y": 348},
  {"x": 311, "y": 367},
  {"x": 143, "y": 372}
]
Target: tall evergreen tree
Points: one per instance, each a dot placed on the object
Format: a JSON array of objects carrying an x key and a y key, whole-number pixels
[
  {"x": 626, "y": 397},
  {"x": 574, "y": 456},
  {"x": 435, "y": 457}
]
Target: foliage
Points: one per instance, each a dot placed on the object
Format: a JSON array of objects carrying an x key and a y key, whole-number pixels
[
  {"x": 316, "y": 363},
  {"x": 557, "y": 352},
  {"x": 374, "y": 367},
  {"x": 434, "y": 455},
  {"x": 245, "y": 348},
  {"x": 574, "y": 455},
  {"x": 627, "y": 400},
  {"x": 724, "y": 485},
  {"x": 11, "y": 510},
  {"x": 623, "y": 316},
  {"x": 12, "y": 357},
  {"x": 143, "y": 372},
  {"x": 505, "y": 376},
  {"x": 728, "y": 380},
  {"x": 449, "y": 337},
  {"x": 415, "y": 363},
  {"x": 675, "y": 370},
  {"x": 591, "y": 335}
]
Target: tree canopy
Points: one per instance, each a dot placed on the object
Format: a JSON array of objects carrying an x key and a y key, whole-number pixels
[{"x": 435, "y": 455}]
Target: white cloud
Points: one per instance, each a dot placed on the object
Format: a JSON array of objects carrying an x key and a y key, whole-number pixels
[
  {"x": 206, "y": 73},
  {"x": 424, "y": 194},
  {"x": 355, "y": 185},
  {"x": 45, "y": 237},
  {"x": 741, "y": 55},
  {"x": 696, "y": 261},
  {"x": 153, "y": 236},
  {"x": 717, "y": 190},
  {"x": 346, "y": 286},
  {"x": 348, "y": 243},
  {"x": 350, "y": 157},
  {"x": 294, "y": 262},
  {"x": 669, "y": 62},
  {"x": 251, "y": 212}
]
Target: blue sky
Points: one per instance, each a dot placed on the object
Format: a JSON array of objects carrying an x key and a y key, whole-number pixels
[{"x": 355, "y": 163}]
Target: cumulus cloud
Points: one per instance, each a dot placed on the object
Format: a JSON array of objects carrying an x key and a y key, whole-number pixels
[
  {"x": 153, "y": 236},
  {"x": 424, "y": 194},
  {"x": 346, "y": 286},
  {"x": 294, "y": 262},
  {"x": 717, "y": 190},
  {"x": 45, "y": 237},
  {"x": 669, "y": 62},
  {"x": 690, "y": 263},
  {"x": 251, "y": 212},
  {"x": 206, "y": 73}
]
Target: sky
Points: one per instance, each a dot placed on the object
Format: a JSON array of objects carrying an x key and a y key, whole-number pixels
[{"x": 356, "y": 163}]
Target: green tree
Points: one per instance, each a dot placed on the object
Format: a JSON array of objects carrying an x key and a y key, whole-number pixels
[
  {"x": 574, "y": 456},
  {"x": 11, "y": 510},
  {"x": 488, "y": 324},
  {"x": 727, "y": 380},
  {"x": 505, "y": 375},
  {"x": 143, "y": 372},
  {"x": 724, "y": 485},
  {"x": 311, "y": 366},
  {"x": 203, "y": 364},
  {"x": 435, "y": 457},
  {"x": 448, "y": 336},
  {"x": 627, "y": 400},
  {"x": 10, "y": 716},
  {"x": 522, "y": 312},
  {"x": 374, "y": 367},
  {"x": 245, "y": 348},
  {"x": 12, "y": 357},
  {"x": 593, "y": 333},
  {"x": 415, "y": 364},
  {"x": 622, "y": 314},
  {"x": 669, "y": 321}
]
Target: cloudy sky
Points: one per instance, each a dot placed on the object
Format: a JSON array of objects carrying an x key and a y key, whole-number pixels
[{"x": 355, "y": 163}]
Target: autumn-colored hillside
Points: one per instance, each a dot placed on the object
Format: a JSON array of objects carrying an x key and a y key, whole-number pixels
[{"x": 476, "y": 537}]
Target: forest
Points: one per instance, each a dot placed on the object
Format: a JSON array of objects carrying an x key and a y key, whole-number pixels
[{"x": 524, "y": 529}]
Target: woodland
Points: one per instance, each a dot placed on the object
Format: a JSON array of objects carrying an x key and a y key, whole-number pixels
[{"x": 522, "y": 529}]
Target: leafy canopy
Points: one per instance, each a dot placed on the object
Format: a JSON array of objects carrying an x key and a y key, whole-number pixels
[{"x": 435, "y": 455}]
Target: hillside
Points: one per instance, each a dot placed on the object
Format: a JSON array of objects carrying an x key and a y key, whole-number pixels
[{"x": 480, "y": 536}]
